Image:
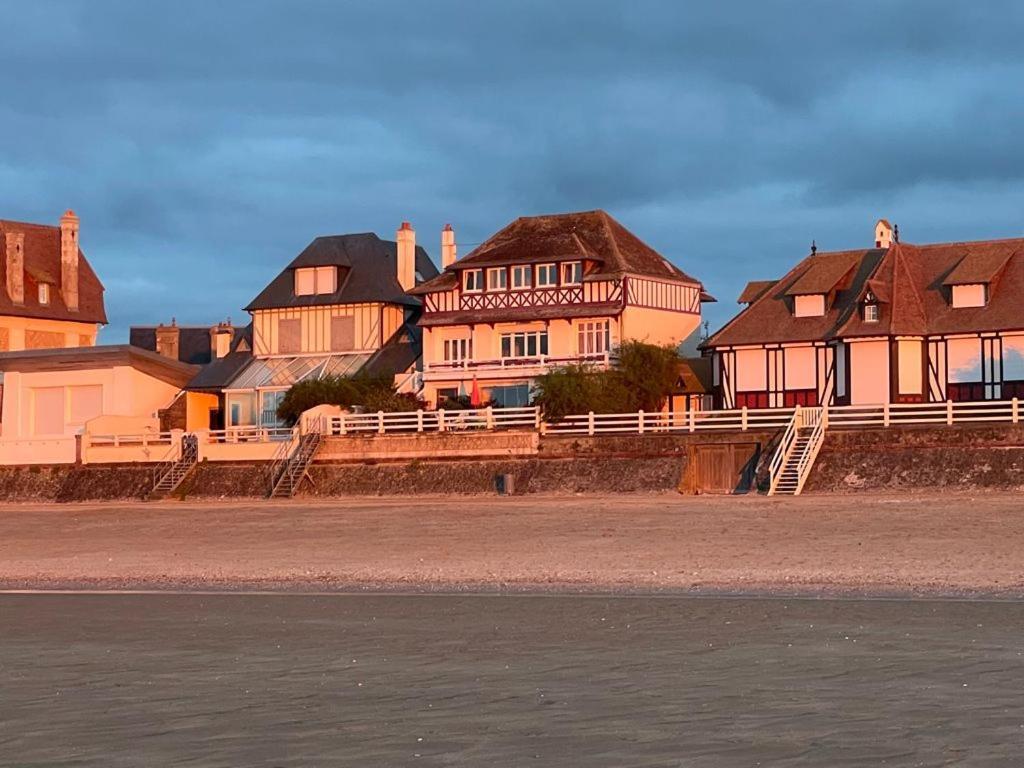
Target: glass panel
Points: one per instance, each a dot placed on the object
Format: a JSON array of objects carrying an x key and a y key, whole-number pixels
[
  {"x": 506, "y": 346},
  {"x": 543, "y": 343},
  {"x": 1013, "y": 358},
  {"x": 963, "y": 359}
]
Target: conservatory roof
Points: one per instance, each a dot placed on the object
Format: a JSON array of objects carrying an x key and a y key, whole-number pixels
[{"x": 285, "y": 371}]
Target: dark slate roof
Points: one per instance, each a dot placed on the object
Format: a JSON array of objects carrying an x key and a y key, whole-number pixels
[
  {"x": 219, "y": 373},
  {"x": 193, "y": 341},
  {"x": 695, "y": 376},
  {"x": 398, "y": 354},
  {"x": 588, "y": 235},
  {"x": 912, "y": 282},
  {"x": 104, "y": 356},
  {"x": 367, "y": 272},
  {"x": 42, "y": 264}
]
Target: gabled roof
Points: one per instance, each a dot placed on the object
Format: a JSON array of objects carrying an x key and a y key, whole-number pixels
[
  {"x": 912, "y": 284},
  {"x": 821, "y": 276},
  {"x": 755, "y": 289},
  {"x": 91, "y": 358},
  {"x": 589, "y": 235},
  {"x": 42, "y": 264},
  {"x": 367, "y": 272}
]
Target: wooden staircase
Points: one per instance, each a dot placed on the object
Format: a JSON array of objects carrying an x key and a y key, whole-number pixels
[
  {"x": 169, "y": 475},
  {"x": 287, "y": 473},
  {"x": 797, "y": 452}
]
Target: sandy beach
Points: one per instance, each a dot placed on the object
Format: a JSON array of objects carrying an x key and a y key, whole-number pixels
[{"x": 948, "y": 545}]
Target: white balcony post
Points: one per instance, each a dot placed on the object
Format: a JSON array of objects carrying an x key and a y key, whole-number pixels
[
  {"x": 885, "y": 414},
  {"x": 949, "y": 413},
  {"x": 380, "y": 422},
  {"x": 342, "y": 427},
  {"x": 536, "y": 417},
  {"x": 490, "y": 417},
  {"x": 693, "y": 420},
  {"x": 743, "y": 419},
  {"x": 640, "y": 422},
  {"x": 440, "y": 419},
  {"x": 590, "y": 423},
  {"x": 419, "y": 420},
  {"x": 1014, "y": 410}
]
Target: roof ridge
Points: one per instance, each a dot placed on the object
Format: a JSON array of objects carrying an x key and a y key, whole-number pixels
[{"x": 30, "y": 224}]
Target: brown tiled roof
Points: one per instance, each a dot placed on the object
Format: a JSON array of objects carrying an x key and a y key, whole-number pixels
[
  {"x": 520, "y": 314},
  {"x": 978, "y": 267},
  {"x": 42, "y": 264},
  {"x": 755, "y": 289},
  {"x": 822, "y": 275},
  {"x": 589, "y": 235},
  {"x": 695, "y": 376},
  {"x": 910, "y": 281}
]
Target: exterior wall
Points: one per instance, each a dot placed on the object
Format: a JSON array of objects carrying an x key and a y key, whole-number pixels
[
  {"x": 373, "y": 325},
  {"x": 869, "y": 372},
  {"x": 197, "y": 410},
  {"x": 20, "y": 333},
  {"x": 775, "y": 377},
  {"x": 124, "y": 392},
  {"x": 657, "y": 326}
]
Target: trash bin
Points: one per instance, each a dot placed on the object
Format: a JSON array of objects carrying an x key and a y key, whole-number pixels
[{"x": 503, "y": 485}]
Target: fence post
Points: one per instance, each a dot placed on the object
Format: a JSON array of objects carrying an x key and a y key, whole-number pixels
[
  {"x": 693, "y": 420},
  {"x": 949, "y": 413},
  {"x": 380, "y": 422},
  {"x": 824, "y": 417},
  {"x": 342, "y": 429},
  {"x": 83, "y": 447},
  {"x": 743, "y": 419},
  {"x": 419, "y": 420},
  {"x": 590, "y": 423},
  {"x": 640, "y": 422},
  {"x": 536, "y": 416},
  {"x": 490, "y": 417},
  {"x": 1015, "y": 410},
  {"x": 885, "y": 414},
  {"x": 440, "y": 419}
]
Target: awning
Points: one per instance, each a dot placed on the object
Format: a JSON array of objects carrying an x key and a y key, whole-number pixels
[{"x": 285, "y": 371}]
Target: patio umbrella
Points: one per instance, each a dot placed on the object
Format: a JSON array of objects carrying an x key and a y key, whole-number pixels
[{"x": 475, "y": 399}]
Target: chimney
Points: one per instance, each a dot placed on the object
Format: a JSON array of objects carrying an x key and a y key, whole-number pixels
[
  {"x": 15, "y": 242},
  {"x": 406, "y": 239},
  {"x": 883, "y": 234},
  {"x": 69, "y": 259},
  {"x": 448, "y": 255},
  {"x": 220, "y": 339},
  {"x": 167, "y": 338}
]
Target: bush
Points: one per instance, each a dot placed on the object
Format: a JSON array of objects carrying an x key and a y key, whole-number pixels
[
  {"x": 372, "y": 393},
  {"x": 645, "y": 376}
]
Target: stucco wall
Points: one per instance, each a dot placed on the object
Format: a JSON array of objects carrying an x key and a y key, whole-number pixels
[{"x": 17, "y": 333}]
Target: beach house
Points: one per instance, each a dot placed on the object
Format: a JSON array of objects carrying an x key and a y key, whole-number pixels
[
  {"x": 894, "y": 322},
  {"x": 546, "y": 291}
]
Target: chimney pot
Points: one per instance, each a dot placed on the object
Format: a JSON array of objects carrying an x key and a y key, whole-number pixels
[
  {"x": 448, "y": 247},
  {"x": 405, "y": 239},
  {"x": 15, "y": 244},
  {"x": 69, "y": 226}
]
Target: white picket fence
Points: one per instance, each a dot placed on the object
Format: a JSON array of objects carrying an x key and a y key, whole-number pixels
[{"x": 432, "y": 421}]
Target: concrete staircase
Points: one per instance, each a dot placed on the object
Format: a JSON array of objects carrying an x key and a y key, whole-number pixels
[
  {"x": 168, "y": 476},
  {"x": 287, "y": 474},
  {"x": 797, "y": 452}
]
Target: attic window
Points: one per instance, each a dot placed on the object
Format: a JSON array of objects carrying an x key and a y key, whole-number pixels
[
  {"x": 870, "y": 313},
  {"x": 970, "y": 295},
  {"x": 44, "y": 293},
  {"x": 809, "y": 305},
  {"x": 311, "y": 281}
]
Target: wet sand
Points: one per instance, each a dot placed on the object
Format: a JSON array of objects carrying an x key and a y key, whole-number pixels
[
  {"x": 948, "y": 544},
  {"x": 291, "y": 680}
]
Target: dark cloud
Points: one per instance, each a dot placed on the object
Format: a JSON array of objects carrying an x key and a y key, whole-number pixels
[{"x": 204, "y": 144}]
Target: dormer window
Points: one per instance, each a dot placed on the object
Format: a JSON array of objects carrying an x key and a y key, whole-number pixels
[
  {"x": 497, "y": 279},
  {"x": 572, "y": 273},
  {"x": 547, "y": 276},
  {"x": 314, "y": 281},
  {"x": 870, "y": 313},
  {"x": 472, "y": 280},
  {"x": 44, "y": 293},
  {"x": 809, "y": 305},
  {"x": 970, "y": 295},
  {"x": 522, "y": 278}
]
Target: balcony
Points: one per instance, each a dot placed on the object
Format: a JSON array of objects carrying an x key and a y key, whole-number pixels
[{"x": 510, "y": 367}]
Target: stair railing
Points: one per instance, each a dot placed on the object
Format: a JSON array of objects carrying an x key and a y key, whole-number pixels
[
  {"x": 785, "y": 448},
  {"x": 282, "y": 455},
  {"x": 811, "y": 449}
]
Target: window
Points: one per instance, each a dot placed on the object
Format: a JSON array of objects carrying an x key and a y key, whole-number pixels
[
  {"x": 343, "y": 333},
  {"x": 593, "y": 337},
  {"x": 310, "y": 281},
  {"x": 572, "y": 273},
  {"x": 524, "y": 344},
  {"x": 496, "y": 279},
  {"x": 472, "y": 280},
  {"x": 1013, "y": 358},
  {"x": 870, "y": 313},
  {"x": 289, "y": 336},
  {"x": 522, "y": 277},
  {"x": 547, "y": 276},
  {"x": 963, "y": 360},
  {"x": 458, "y": 350},
  {"x": 44, "y": 293},
  {"x": 751, "y": 370},
  {"x": 800, "y": 368},
  {"x": 511, "y": 396},
  {"x": 974, "y": 295},
  {"x": 809, "y": 305}
]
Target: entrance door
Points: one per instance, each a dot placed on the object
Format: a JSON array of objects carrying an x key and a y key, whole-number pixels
[{"x": 268, "y": 411}]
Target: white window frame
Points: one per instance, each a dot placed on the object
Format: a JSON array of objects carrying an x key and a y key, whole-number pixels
[
  {"x": 324, "y": 280},
  {"x": 549, "y": 269},
  {"x": 520, "y": 273},
  {"x": 593, "y": 337},
  {"x": 871, "y": 313},
  {"x": 540, "y": 341},
  {"x": 572, "y": 272},
  {"x": 477, "y": 280},
  {"x": 458, "y": 350},
  {"x": 502, "y": 277}
]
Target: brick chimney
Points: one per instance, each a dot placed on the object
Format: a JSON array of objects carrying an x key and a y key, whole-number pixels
[
  {"x": 167, "y": 339},
  {"x": 406, "y": 239},
  {"x": 15, "y": 243},
  {"x": 448, "y": 254},
  {"x": 883, "y": 234},
  {"x": 220, "y": 339},
  {"x": 69, "y": 259}
]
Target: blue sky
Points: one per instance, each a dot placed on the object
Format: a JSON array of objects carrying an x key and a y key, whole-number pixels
[{"x": 205, "y": 144}]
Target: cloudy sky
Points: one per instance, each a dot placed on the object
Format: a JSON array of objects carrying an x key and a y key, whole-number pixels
[{"x": 205, "y": 144}]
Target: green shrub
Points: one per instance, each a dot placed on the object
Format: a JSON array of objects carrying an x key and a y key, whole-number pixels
[{"x": 372, "y": 393}]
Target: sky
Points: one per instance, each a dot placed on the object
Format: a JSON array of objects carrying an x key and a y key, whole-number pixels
[{"x": 204, "y": 144}]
